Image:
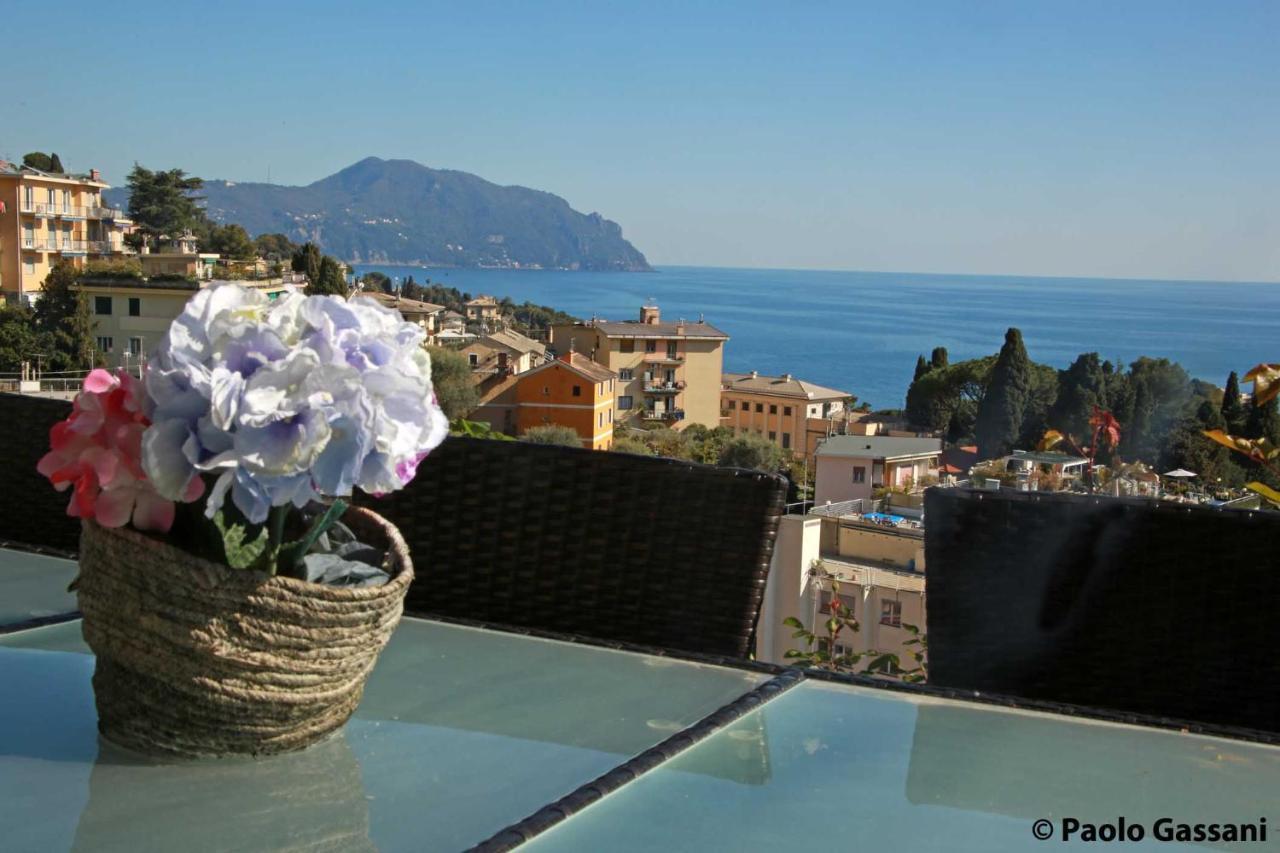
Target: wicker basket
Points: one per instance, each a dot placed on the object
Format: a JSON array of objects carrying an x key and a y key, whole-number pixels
[{"x": 197, "y": 659}]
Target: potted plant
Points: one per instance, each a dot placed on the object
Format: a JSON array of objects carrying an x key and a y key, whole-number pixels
[{"x": 235, "y": 602}]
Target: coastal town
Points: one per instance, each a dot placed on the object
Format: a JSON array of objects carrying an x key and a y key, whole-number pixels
[
  {"x": 650, "y": 384},
  {"x": 564, "y": 428}
]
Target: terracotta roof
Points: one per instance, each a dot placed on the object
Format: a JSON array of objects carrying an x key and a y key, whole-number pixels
[
  {"x": 579, "y": 364},
  {"x": 636, "y": 329},
  {"x": 515, "y": 341},
  {"x": 401, "y": 304},
  {"x": 958, "y": 460},
  {"x": 785, "y": 386}
]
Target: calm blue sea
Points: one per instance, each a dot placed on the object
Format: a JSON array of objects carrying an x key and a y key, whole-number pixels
[{"x": 861, "y": 332}]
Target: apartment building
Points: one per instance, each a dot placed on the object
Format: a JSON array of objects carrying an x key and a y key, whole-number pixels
[
  {"x": 571, "y": 391},
  {"x": 425, "y": 315},
  {"x": 790, "y": 412},
  {"x": 178, "y": 256},
  {"x": 47, "y": 217},
  {"x": 504, "y": 351},
  {"x": 668, "y": 372},
  {"x": 130, "y": 316},
  {"x": 482, "y": 309},
  {"x": 879, "y": 572},
  {"x": 850, "y": 467}
]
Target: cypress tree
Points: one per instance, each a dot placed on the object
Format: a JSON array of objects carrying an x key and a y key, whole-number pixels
[
  {"x": 1264, "y": 421},
  {"x": 1233, "y": 411},
  {"x": 938, "y": 358},
  {"x": 922, "y": 367},
  {"x": 329, "y": 279},
  {"x": 1004, "y": 405},
  {"x": 55, "y": 164},
  {"x": 307, "y": 260}
]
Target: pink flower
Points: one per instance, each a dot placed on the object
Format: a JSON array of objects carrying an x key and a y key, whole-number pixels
[{"x": 98, "y": 451}]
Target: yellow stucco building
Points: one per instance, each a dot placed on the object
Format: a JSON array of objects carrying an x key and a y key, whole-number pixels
[
  {"x": 47, "y": 217},
  {"x": 668, "y": 372},
  {"x": 793, "y": 414}
]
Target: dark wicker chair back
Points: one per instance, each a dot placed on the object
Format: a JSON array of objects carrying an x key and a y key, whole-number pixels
[
  {"x": 1137, "y": 605},
  {"x": 31, "y": 512},
  {"x": 608, "y": 545}
]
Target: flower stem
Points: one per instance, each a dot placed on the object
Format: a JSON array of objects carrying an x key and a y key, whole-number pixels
[{"x": 275, "y": 534}]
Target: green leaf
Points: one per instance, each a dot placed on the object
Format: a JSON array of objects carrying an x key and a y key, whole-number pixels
[
  {"x": 291, "y": 553},
  {"x": 243, "y": 544},
  {"x": 793, "y": 622}
]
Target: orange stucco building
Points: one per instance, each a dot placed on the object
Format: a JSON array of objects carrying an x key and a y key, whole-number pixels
[{"x": 571, "y": 391}]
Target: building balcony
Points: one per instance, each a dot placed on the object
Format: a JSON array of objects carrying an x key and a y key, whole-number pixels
[
  {"x": 668, "y": 415},
  {"x": 664, "y": 387},
  {"x": 663, "y": 358},
  {"x": 105, "y": 213},
  {"x": 49, "y": 211}
]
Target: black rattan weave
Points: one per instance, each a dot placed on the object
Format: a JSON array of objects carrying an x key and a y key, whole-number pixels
[
  {"x": 1139, "y": 605},
  {"x": 608, "y": 545},
  {"x": 31, "y": 511}
]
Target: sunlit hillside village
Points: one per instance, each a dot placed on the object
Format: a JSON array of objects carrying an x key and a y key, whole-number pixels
[{"x": 651, "y": 383}]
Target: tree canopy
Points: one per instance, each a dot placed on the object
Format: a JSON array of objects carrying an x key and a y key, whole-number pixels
[
  {"x": 752, "y": 451},
  {"x": 62, "y": 315},
  {"x": 451, "y": 378},
  {"x": 164, "y": 202},
  {"x": 556, "y": 434},
  {"x": 275, "y": 247},
  {"x": 231, "y": 242}
]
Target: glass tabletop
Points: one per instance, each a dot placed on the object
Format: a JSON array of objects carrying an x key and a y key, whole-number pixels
[
  {"x": 833, "y": 767},
  {"x": 461, "y": 732},
  {"x": 34, "y": 586}
]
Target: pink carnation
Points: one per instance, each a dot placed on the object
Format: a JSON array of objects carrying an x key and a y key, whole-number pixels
[{"x": 98, "y": 451}]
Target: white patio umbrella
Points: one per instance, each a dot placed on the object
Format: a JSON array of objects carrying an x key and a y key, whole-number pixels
[{"x": 1180, "y": 473}]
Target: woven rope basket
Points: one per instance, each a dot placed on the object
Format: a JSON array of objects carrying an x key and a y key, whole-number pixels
[{"x": 197, "y": 659}]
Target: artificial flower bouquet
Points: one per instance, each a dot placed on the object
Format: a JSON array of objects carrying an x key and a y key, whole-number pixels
[{"x": 234, "y": 601}]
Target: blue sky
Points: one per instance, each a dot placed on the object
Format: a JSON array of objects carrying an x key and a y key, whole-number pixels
[{"x": 1133, "y": 139}]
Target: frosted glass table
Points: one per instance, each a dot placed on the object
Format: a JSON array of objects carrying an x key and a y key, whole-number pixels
[
  {"x": 469, "y": 736},
  {"x": 33, "y": 587}
]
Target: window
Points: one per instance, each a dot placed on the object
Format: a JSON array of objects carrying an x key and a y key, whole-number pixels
[
  {"x": 474, "y": 358},
  {"x": 627, "y": 345},
  {"x": 624, "y": 402},
  {"x": 611, "y": 416},
  {"x": 135, "y": 346},
  {"x": 105, "y": 344},
  {"x": 546, "y": 391},
  {"x": 773, "y": 436},
  {"x": 102, "y": 305},
  {"x": 786, "y": 441},
  {"x": 671, "y": 349},
  {"x": 773, "y": 410},
  {"x": 732, "y": 404},
  {"x": 650, "y": 346},
  {"x": 577, "y": 390},
  {"x": 135, "y": 306},
  {"x": 891, "y": 613},
  {"x": 759, "y": 407},
  {"x": 859, "y": 473},
  {"x": 786, "y": 411},
  {"x": 29, "y": 267},
  {"x": 600, "y": 420},
  {"x": 626, "y": 374}
]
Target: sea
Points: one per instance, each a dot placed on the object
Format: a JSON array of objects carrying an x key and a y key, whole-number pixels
[{"x": 861, "y": 332}]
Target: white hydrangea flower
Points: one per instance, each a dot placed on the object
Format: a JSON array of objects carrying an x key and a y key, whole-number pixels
[{"x": 288, "y": 400}]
